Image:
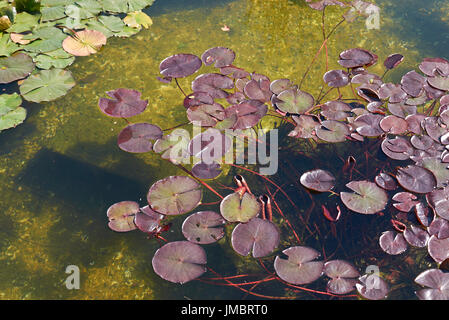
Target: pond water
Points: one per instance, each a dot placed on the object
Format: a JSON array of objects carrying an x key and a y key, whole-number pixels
[{"x": 62, "y": 169}]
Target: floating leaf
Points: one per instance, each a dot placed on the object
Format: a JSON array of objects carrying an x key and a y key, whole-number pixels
[
  {"x": 179, "y": 261},
  {"x": 299, "y": 268},
  {"x": 386, "y": 181},
  {"x": 438, "y": 248},
  {"x": 394, "y": 125},
  {"x": 206, "y": 115},
  {"x": 174, "y": 195},
  {"x": 121, "y": 216},
  {"x": 367, "y": 199},
  {"x": 392, "y": 242},
  {"x": 11, "y": 113},
  {"x": 180, "y": 65},
  {"x": 332, "y": 131},
  {"x": 318, "y": 180},
  {"x": 368, "y": 125},
  {"x": 138, "y": 19},
  {"x": 259, "y": 237},
  {"x": 335, "y": 110},
  {"x": 47, "y": 85},
  {"x": 336, "y": 78},
  {"x": 209, "y": 145},
  {"x": 15, "y": 67},
  {"x": 221, "y": 56},
  {"x": 84, "y": 43},
  {"x": 416, "y": 179},
  {"x": 203, "y": 170},
  {"x": 147, "y": 220},
  {"x": 305, "y": 127},
  {"x": 413, "y": 83},
  {"x": 203, "y": 227},
  {"x": 237, "y": 208},
  {"x": 439, "y": 200},
  {"x": 405, "y": 201},
  {"x": 354, "y": 58},
  {"x": 294, "y": 101},
  {"x": 341, "y": 273},
  {"x": 136, "y": 137},
  {"x": 258, "y": 90},
  {"x": 174, "y": 146},
  {"x": 437, "y": 282},
  {"x": 438, "y": 168},
  {"x": 213, "y": 84},
  {"x": 124, "y": 103},
  {"x": 439, "y": 228},
  {"x": 393, "y": 60},
  {"x": 248, "y": 113},
  {"x": 372, "y": 287},
  {"x": 279, "y": 85},
  {"x": 416, "y": 237},
  {"x": 430, "y": 66}
]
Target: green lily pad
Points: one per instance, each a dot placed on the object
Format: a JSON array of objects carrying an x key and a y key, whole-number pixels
[
  {"x": 15, "y": 67},
  {"x": 108, "y": 25},
  {"x": 124, "y": 6},
  {"x": 294, "y": 101},
  {"x": 47, "y": 85},
  {"x": 367, "y": 198},
  {"x": 11, "y": 113},
  {"x": 83, "y": 9},
  {"x": 138, "y": 19},
  {"x": 236, "y": 208},
  {"x": 45, "y": 39},
  {"x": 24, "y": 22},
  {"x": 7, "y": 47},
  {"x": 53, "y": 13},
  {"x": 44, "y": 61}
]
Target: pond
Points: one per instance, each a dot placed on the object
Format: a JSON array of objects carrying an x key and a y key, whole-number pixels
[{"x": 61, "y": 169}]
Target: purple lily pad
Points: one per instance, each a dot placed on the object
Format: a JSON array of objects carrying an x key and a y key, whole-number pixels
[
  {"x": 209, "y": 145},
  {"x": 258, "y": 90},
  {"x": 439, "y": 228},
  {"x": 335, "y": 110},
  {"x": 433, "y": 128},
  {"x": 259, "y": 237},
  {"x": 385, "y": 181},
  {"x": 367, "y": 198},
  {"x": 124, "y": 103},
  {"x": 121, "y": 216},
  {"x": 393, "y": 60},
  {"x": 279, "y": 85},
  {"x": 438, "y": 248},
  {"x": 221, "y": 56},
  {"x": 392, "y": 242},
  {"x": 398, "y": 148},
  {"x": 440, "y": 171},
  {"x": 341, "y": 273},
  {"x": 414, "y": 123},
  {"x": 197, "y": 98},
  {"x": 305, "y": 127},
  {"x": 234, "y": 72},
  {"x": 179, "y": 261},
  {"x": 206, "y": 171},
  {"x": 336, "y": 78},
  {"x": 423, "y": 142},
  {"x": 412, "y": 83},
  {"x": 432, "y": 66},
  {"x": 392, "y": 91},
  {"x": 174, "y": 195},
  {"x": 401, "y": 110},
  {"x": 416, "y": 179},
  {"x": 237, "y": 208},
  {"x": 332, "y": 131},
  {"x": 180, "y": 65},
  {"x": 206, "y": 115},
  {"x": 439, "y": 82},
  {"x": 406, "y": 201},
  {"x": 394, "y": 125},
  {"x": 356, "y": 57},
  {"x": 422, "y": 214},
  {"x": 416, "y": 236},
  {"x": 318, "y": 180},
  {"x": 439, "y": 200},
  {"x": 368, "y": 125},
  {"x": 299, "y": 268},
  {"x": 174, "y": 146},
  {"x": 437, "y": 283},
  {"x": 136, "y": 137},
  {"x": 248, "y": 112},
  {"x": 372, "y": 287},
  {"x": 147, "y": 220},
  {"x": 213, "y": 84},
  {"x": 203, "y": 227}
]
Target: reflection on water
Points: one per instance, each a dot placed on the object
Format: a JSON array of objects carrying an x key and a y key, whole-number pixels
[{"x": 61, "y": 169}]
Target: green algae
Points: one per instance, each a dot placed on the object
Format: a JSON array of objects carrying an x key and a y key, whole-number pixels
[{"x": 51, "y": 219}]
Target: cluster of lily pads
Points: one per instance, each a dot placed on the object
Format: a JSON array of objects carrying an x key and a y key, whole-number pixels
[
  {"x": 39, "y": 39},
  {"x": 407, "y": 121}
]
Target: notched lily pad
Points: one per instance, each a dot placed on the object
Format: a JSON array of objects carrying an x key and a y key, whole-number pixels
[
  {"x": 121, "y": 216},
  {"x": 367, "y": 198},
  {"x": 237, "y": 208},
  {"x": 124, "y": 103},
  {"x": 203, "y": 227},
  {"x": 136, "y": 137},
  {"x": 318, "y": 180}
]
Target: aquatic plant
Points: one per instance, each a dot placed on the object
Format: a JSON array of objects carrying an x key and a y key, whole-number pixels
[
  {"x": 42, "y": 38},
  {"x": 405, "y": 122}
]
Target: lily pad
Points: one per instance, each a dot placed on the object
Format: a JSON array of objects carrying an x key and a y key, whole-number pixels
[
  {"x": 138, "y": 19},
  {"x": 180, "y": 65},
  {"x": 84, "y": 42},
  {"x": 392, "y": 242},
  {"x": 372, "y": 287},
  {"x": 15, "y": 67},
  {"x": 174, "y": 195},
  {"x": 203, "y": 227},
  {"x": 332, "y": 131},
  {"x": 437, "y": 283},
  {"x": 147, "y": 220},
  {"x": 393, "y": 60},
  {"x": 416, "y": 179},
  {"x": 259, "y": 237},
  {"x": 299, "y": 268},
  {"x": 213, "y": 84},
  {"x": 11, "y": 113},
  {"x": 179, "y": 261},
  {"x": 385, "y": 181},
  {"x": 438, "y": 248},
  {"x": 174, "y": 146},
  {"x": 121, "y": 216},
  {"x": 206, "y": 115},
  {"x": 342, "y": 274},
  {"x": 438, "y": 168},
  {"x": 124, "y": 103},
  {"x": 318, "y": 180},
  {"x": 367, "y": 198},
  {"x": 416, "y": 236},
  {"x": 294, "y": 101},
  {"x": 413, "y": 83},
  {"x": 439, "y": 228},
  {"x": 439, "y": 201},
  {"x": 206, "y": 171},
  {"x": 336, "y": 78},
  {"x": 248, "y": 113},
  {"x": 136, "y": 137},
  {"x": 209, "y": 145},
  {"x": 356, "y": 57},
  {"x": 237, "y": 208},
  {"x": 47, "y": 85},
  {"x": 221, "y": 56}
]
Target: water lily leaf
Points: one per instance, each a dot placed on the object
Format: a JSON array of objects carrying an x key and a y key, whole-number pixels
[
  {"x": 392, "y": 242},
  {"x": 121, "y": 216},
  {"x": 24, "y": 21},
  {"x": 294, "y": 101},
  {"x": 438, "y": 168},
  {"x": 136, "y": 137},
  {"x": 305, "y": 127},
  {"x": 394, "y": 125},
  {"x": 203, "y": 227},
  {"x": 236, "y": 208},
  {"x": 341, "y": 273},
  {"x": 258, "y": 237},
  {"x": 174, "y": 195},
  {"x": 248, "y": 113},
  {"x": 124, "y": 103},
  {"x": 439, "y": 228},
  {"x": 179, "y": 261},
  {"x": 124, "y": 6},
  {"x": 439, "y": 82},
  {"x": 213, "y": 84},
  {"x": 438, "y": 248},
  {"x": 335, "y": 110},
  {"x": 84, "y": 43},
  {"x": 180, "y": 66},
  {"x": 398, "y": 148},
  {"x": 386, "y": 181},
  {"x": 258, "y": 90},
  {"x": 401, "y": 110},
  {"x": 437, "y": 283},
  {"x": 52, "y": 13},
  {"x": 416, "y": 179},
  {"x": 299, "y": 268},
  {"x": 7, "y": 47},
  {"x": 206, "y": 115},
  {"x": 416, "y": 237},
  {"x": 138, "y": 19},
  {"x": 368, "y": 125},
  {"x": 432, "y": 66},
  {"x": 393, "y": 60},
  {"x": 15, "y": 67},
  {"x": 372, "y": 287},
  {"x": 44, "y": 61},
  {"x": 147, "y": 220},
  {"x": 438, "y": 199},
  {"x": 367, "y": 198},
  {"x": 11, "y": 113},
  {"x": 174, "y": 146},
  {"x": 332, "y": 131},
  {"x": 206, "y": 171},
  {"x": 83, "y": 9},
  {"x": 209, "y": 145},
  {"x": 221, "y": 56},
  {"x": 336, "y": 78},
  {"x": 413, "y": 83},
  {"x": 47, "y": 85},
  {"x": 318, "y": 180},
  {"x": 356, "y": 57}
]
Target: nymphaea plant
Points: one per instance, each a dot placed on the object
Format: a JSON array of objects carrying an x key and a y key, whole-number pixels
[
  {"x": 39, "y": 39},
  {"x": 406, "y": 122}
]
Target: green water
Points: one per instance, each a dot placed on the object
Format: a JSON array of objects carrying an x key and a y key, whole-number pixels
[{"x": 61, "y": 169}]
